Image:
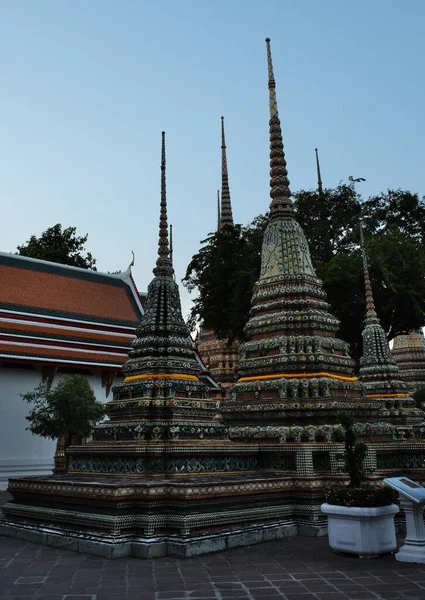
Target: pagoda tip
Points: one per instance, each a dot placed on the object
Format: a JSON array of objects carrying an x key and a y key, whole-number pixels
[{"x": 267, "y": 40}]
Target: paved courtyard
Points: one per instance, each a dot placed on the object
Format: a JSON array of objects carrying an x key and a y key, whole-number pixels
[{"x": 292, "y": 569}]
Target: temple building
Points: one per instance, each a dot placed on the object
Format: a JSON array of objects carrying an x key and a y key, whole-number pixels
[
  {"x": 178, "y": 471},
  {"x": 56, "y": 320},
  {"x": 219, "y": 356},
  {"x": 409, "y": 353},
  {"x": 379, "y": 373}
]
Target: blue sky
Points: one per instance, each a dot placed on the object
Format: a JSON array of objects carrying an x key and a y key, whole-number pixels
[{"x": 88, "y": 86}]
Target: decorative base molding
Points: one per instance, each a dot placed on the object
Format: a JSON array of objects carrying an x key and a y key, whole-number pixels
[{"x": 172, "y": 545}]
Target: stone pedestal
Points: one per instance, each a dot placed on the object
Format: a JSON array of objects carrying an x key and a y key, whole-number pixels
[{"x": 413, "y": 549}]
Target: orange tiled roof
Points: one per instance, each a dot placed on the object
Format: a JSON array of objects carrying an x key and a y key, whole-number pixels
[
  {"x": 48, "y": 288},
  {"x": 60, "y": 313}
]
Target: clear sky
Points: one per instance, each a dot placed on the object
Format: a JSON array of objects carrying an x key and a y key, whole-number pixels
[{"x": 87, "y": 86}]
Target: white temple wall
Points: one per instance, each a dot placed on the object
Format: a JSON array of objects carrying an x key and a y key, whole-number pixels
[{"x": 21, "y": 452}]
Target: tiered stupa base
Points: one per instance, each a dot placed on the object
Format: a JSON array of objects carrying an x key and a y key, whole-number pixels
[{"x": 254, "y": 493}]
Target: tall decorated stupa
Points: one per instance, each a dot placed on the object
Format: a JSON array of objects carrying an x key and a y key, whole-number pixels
[
  {"x": 409, "y": 353},
  {"x": 219, "y": 356},
  {"x": 295, "y": 374},
  {"x": 379, "y": 372}
]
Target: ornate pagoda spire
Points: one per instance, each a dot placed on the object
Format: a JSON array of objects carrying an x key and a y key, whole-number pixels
[
  {"x": 171, "y": 243},
  {"x": 218, "y": 211},
  {"x": 371, "y": 316},
  {"x": 409, "y": 353},
  {"x": 281, "y": 204},
  {"x": 295, "y": 375},
  {"x": 319, "y": 177},
  {"x": 379, "y": 373},
  {"x": 226, "y": 217},
  {"x": 162, "y": 361},
  {"x": 164, "y": 265}
]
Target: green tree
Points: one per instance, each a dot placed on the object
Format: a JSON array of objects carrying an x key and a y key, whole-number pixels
[
  {"x": 69, "y": 410},
  {"x": 330, "y": 220},
  {"x": 224, "y": 272},
  {"x": 397, "y": 272},
  {"x": 60, "y": 246},
  {"x": 226, "y": 268},
  {"x": 419, "y": 397},
  {"x": 396, "y": 209}
]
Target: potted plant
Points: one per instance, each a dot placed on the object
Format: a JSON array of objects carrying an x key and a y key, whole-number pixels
[
  {"x": 67, "y": 412},
  {"x": 360, "y": 515}
]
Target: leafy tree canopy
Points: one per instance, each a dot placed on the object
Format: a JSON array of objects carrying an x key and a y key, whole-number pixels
[
  {"x": 228, "y": 264},
  {"x": 69, "y": 409},
  {"x": 224, "y": 272},
  {"x": 61, "y": 246},
  {"x": 419, "y": 397}
]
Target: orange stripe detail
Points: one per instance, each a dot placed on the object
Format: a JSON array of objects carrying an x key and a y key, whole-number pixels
[
  {"x": 73, "y": 333},
  {"x": 387, "y": 395},
  {"x": 161, "y": 376},
  {"x": 58, "y": 353},
  {"x": 297, "y": 375}
]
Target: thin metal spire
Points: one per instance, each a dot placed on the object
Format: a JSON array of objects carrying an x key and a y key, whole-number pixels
[
  {"x": 319, "y": 177},
  {"x": 281, "y": 204},
  {"x": 163, "y": 263},
  {"x": 226, "y": 217},
  {"x": 371, "y": 316},
  {"x": 171, "y": 243}
]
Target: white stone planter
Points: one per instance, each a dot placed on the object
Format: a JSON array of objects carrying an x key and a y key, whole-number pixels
[{"x": 367, "y": 532}]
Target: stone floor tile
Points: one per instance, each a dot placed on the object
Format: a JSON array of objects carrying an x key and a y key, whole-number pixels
[
  {"x": 304, "y": 596},
  {"x": 361, "y": 595},
  {"x": 331, "y": 596}
]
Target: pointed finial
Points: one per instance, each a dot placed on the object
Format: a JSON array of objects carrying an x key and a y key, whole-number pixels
[
  {"x": 281, "y": 204},
  {"x": 371, "y": 316},
  {"x": 163, "y": 263},
  {"x": 226, "y": 217},
  {"x": 218, "y": 210},
  {"x": 319, "y": 178},
  {"x": 132, "y": 260}
]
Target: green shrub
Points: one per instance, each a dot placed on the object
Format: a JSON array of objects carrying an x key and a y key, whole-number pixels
[{"x": 365, "y": 495}]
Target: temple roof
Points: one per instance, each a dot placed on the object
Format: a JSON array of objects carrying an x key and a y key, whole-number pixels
[{"x": 61, "y": 314}]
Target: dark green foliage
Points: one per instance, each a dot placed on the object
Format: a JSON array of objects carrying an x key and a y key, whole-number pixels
[
  {"x": 330, "y": 220},
  {"x": 60, "y": 246},
  {"x": 356, "y": 493},
  {"x": 227, "y": 266},
  {"x": 354, "y": 452},
  {"x": 224, "y": 272},
  {"x": 396, "y": 268},
  {"x": 396, "y": 209},
  {"x": 419, "y": 397},
  {"x": 69, "y": 409},
  {"x": 365, "y": 495}
]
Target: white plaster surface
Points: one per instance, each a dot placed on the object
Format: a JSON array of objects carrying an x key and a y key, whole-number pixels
[{"x": 21, "y": 452}]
